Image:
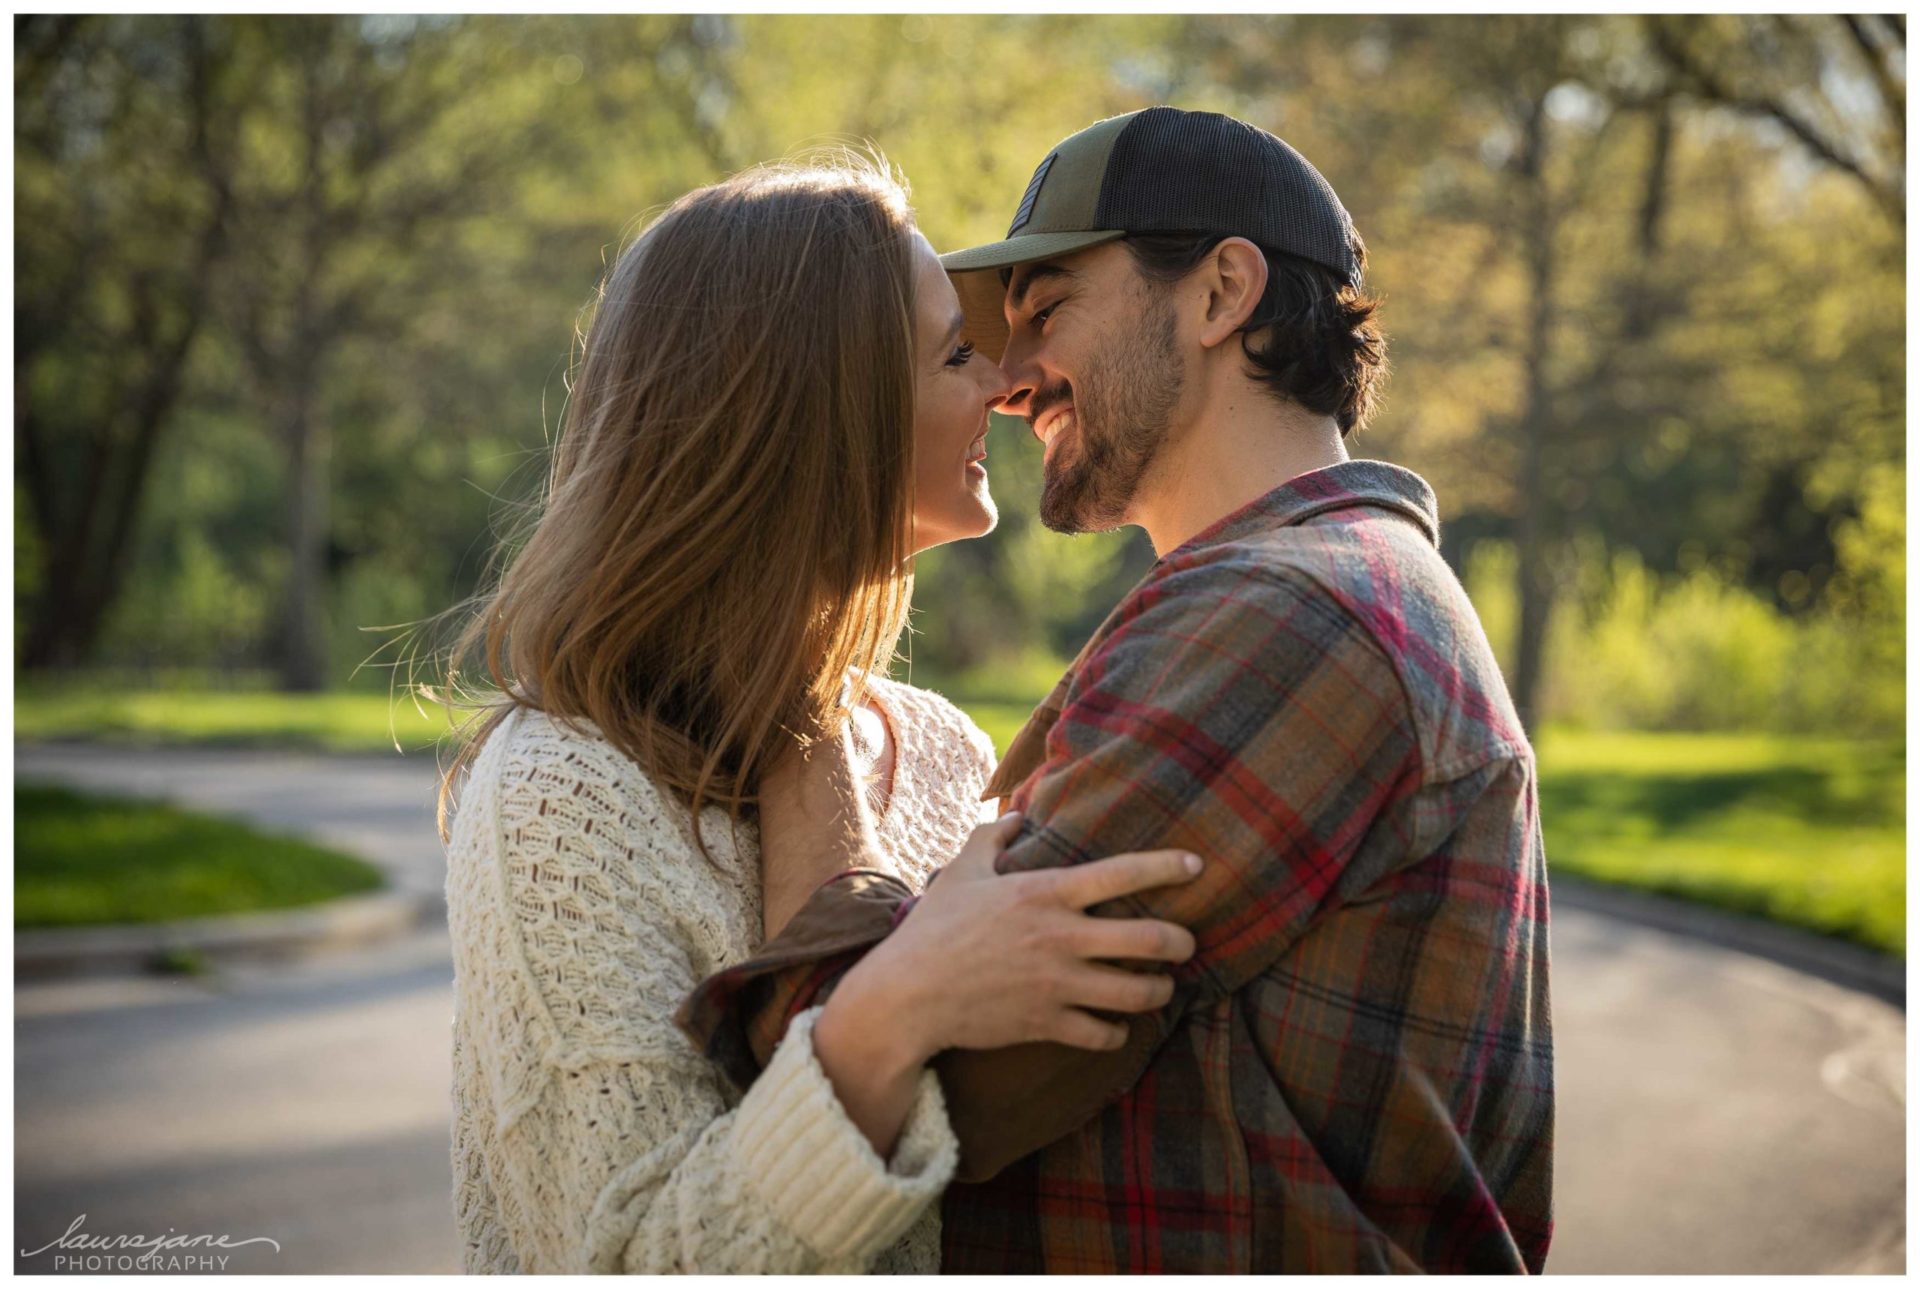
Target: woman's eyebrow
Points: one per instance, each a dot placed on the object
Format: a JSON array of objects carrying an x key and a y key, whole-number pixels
[{"x": 953, "y": 329}]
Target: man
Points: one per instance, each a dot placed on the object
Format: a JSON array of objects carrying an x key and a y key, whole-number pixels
[{"x": 1355, "y": 1071}]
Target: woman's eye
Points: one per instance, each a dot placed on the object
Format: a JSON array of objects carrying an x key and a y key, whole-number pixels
[{"x": 961, "y": 355}]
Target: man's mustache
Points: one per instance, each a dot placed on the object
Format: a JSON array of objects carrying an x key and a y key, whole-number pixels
[{"x": 1045, "y": 401}]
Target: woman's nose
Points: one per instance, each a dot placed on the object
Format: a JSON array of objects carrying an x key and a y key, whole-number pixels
[
  {"x": 1020, "y": 375},
  {"x": 998, "y": 384}
]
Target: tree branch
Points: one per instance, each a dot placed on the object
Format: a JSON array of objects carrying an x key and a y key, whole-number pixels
[
  {"x": 1893, "y": 94},
  {"x": 1706, "y": 84}
]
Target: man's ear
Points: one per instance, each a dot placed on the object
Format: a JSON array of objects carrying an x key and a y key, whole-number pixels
[{"x": 1236, "y": 278}]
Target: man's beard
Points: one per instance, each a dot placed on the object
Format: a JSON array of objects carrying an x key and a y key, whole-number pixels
[{"x": 1122, "y": 407}]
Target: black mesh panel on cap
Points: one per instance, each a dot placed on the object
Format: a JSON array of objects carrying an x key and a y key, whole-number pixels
[
  {"x": 1177, "y": 172},
  {"x": 1021, "y": 216}
]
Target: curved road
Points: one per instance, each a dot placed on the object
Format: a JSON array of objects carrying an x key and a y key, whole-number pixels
[{"x": 1717, "y": 1112}]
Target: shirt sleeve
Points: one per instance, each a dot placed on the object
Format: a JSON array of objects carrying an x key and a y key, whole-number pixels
[{"x": 1237, "y": 711}]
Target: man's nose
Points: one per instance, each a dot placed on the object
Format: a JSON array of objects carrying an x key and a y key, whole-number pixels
[
  {"x": 998, "y": 387},
  {"x": 1013, "y": 401}
]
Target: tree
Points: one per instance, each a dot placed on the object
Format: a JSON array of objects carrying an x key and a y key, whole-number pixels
[
  {"x": 364, "y": 157},
  {"x": 124, "y": 206}
]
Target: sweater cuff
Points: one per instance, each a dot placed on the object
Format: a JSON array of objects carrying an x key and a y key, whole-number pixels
[{"x": 798, "y": 1149}]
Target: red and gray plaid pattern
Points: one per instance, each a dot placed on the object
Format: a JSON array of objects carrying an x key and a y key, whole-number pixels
[{"x": 1355, "y": 1073}]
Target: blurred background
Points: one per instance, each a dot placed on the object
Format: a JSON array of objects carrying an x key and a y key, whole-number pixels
[{"x": 294, "y": 304}]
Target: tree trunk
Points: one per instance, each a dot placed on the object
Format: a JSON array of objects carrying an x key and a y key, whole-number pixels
[
  {"x": 293, "y": 370},
  {"x": 1531, "y": 537},
  {"x": 85, "y": 566},
  {"x": 1536, "y": 605},
  {"x": 89, "y": 544},
  {"x": 64, "y": 626},
  {"x": 303, "y": 626}
]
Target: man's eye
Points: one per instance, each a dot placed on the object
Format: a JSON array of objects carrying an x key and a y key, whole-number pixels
[
  {"x": 962, "y": 355},
  {"x": 1040, "y": 316}
]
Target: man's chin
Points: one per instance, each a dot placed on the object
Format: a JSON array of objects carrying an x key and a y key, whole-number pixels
[
  {"x": 1072, "y": 512},
  {"x": 1061, "y": 498}
]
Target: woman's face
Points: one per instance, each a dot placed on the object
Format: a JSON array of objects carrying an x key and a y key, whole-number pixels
[{"x": 953, "y": 388}]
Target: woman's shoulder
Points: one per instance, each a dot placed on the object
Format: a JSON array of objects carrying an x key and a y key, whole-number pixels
[
  {"x": 935, "y": 729},
  {"x": 563, "y": 769},
  {"x": 577, "y": 828},
  {"x": 562, "y": 779},
  {"x": 569, "y": 867},
  {"x": 536, "y": 751}
]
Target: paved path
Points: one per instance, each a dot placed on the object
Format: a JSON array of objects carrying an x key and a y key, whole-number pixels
[{"x": 1718, "y": 1113}]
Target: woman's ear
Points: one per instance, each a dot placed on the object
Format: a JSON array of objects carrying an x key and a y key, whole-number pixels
[{"x": 1236, "y": 278}]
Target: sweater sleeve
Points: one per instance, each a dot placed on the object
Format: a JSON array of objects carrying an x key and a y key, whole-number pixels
[
  {"x": 616, "y": 1147},
  {"x": 639, "y": 1167}
]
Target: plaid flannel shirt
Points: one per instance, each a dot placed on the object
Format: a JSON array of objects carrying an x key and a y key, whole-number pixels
[{"x": 1355, "y": 1072}]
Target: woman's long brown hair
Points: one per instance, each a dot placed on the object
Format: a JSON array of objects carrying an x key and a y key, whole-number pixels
[{"x": 723, "y": 539}]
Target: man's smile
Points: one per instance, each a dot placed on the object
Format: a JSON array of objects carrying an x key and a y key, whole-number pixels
[{"x": 1048, "y": 425}]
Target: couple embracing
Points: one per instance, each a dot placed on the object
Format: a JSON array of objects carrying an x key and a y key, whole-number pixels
[{"x": 1248, "y": 972}]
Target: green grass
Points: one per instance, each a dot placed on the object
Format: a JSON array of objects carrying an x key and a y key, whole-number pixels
[
  {"x": 87, "y": 860},
  {"x": 1001, "y": 721},
  {"x": 1810, "y": 832},
  {"x": 333, "y": 722}
]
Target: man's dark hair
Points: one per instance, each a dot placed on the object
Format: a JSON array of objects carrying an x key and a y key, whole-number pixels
[{"x": 1323, "y": 349}]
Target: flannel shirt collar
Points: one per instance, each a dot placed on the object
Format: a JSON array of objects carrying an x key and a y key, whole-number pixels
[
  {"x": 1336, "y": 487},
  {"x": 1379, "y": 484}
]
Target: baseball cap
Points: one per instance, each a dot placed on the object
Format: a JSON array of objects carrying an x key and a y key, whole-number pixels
[{"x": 1158, "y": 170}]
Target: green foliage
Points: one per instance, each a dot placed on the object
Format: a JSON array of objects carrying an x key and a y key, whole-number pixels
[
  {"x": 1631, "y": 649},
  {"x": 196, "y": 606},
  {"x": 83, "y": 860},
  {"x": 998, "y": 694}
]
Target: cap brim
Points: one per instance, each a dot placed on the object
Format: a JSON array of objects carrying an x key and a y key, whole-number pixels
[{"x": 976, "y": 278}]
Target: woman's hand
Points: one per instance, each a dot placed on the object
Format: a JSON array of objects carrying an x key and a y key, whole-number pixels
[{"x": 986, "y": 960}]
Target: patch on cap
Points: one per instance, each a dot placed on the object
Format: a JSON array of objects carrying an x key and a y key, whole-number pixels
[{"x": 1025, "y": 212}]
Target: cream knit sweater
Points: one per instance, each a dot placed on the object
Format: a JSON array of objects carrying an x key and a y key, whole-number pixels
[{"x": 588, "y": 1134}]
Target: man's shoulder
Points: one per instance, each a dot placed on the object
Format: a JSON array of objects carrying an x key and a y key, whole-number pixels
[
  {"x": 1369, "y": 565},
  {"x": 1353, "y": 554},
  {"x": 1362, "y": 571},
  {"x": 1231, "y": 614}
]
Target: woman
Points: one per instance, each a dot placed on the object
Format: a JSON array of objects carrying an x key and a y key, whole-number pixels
[{"x": 773, "y": 411}]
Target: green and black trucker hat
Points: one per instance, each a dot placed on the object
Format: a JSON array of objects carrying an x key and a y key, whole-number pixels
[{"x": 1158, "y": 170}]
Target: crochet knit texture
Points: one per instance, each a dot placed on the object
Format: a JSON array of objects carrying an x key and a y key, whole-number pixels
[{"x": 588, "y": 1134}]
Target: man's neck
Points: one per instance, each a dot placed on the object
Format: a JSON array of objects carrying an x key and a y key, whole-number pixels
[{"x": 1234, "y": 452}]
